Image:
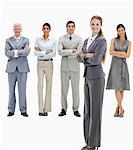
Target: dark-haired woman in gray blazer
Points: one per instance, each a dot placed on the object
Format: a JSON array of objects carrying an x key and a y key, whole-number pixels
[{"x": 92, "y": 54}]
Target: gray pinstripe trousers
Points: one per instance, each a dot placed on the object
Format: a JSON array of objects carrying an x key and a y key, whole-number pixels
[
  {"x": 93, "y": 90},
  {"x": 21, "y": 79}
]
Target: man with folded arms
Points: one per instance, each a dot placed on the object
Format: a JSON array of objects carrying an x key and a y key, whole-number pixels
[
  {"x": 69, "y": 45},
  {"x": 17, "y": 49}
]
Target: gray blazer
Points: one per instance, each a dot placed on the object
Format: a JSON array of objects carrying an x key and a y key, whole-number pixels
[
  {"x": 65, "y": 46},
  {"x": 93, "y": 68},
  {"x": 21, "y": 61}
]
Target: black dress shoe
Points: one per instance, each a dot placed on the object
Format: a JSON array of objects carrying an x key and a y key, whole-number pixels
[
  {"x": 91, "y": 148},
  {"x": 45, "y": 114},
  {"x": 10, "y": 114},
  {"x": 24, "y": 114},
  {"x": 41, "y": 114},
  {"x": 77, "y": 114},
  {"x": 62, "y": 113}
]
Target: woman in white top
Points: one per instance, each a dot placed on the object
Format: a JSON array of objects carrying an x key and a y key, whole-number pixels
[{"x": 45, "y": 50}]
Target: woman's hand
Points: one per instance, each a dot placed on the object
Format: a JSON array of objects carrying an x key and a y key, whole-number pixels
[
  {"x": 37, "y": 49},
  {"x": 88, "y": 55},
  {"x": 81, "y": 52}
]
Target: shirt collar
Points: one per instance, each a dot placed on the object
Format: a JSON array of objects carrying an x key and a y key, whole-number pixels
[
  {"x": 93, "y": 37},
  {"x": 49, "y": 38},
  {"x": 17, "y": 38},
  {"x": 70, "y": 35}
]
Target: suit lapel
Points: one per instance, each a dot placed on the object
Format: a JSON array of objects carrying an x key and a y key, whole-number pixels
[
  {"x": 20, "y": 40},
  {"x": 66, "y": 36},
  {"x": 85, "y": 46},
  {"x": 15, "y": 43},
  {"x": 13, "y": 40},
  {"x": 91, "y": 48}
]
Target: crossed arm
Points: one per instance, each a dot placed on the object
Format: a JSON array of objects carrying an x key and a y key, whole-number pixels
[
  {"x": 69, "y": 52},
  {"x": 10, "y": 53},
  {"x": 46, "y": 54},
  {"x": 90, "y": 59},
  {"x": 119, "y": 54}
]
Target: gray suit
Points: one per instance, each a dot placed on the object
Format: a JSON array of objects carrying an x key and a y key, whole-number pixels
[
  {"x": 93, "y": 90},
  {"x": 70, "y": 68},
  {"x": 17, "y": 68}
]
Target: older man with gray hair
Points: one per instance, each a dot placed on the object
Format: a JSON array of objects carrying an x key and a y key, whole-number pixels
[{"x": 17, "y": 49}]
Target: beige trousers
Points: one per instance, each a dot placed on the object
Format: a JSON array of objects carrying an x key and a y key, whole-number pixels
[
  {"x": 44, "y": 68},
  {"x": 65, "y": 78}
]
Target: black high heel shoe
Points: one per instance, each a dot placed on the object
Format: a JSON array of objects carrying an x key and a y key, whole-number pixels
[{"x": 88, "y": 148}]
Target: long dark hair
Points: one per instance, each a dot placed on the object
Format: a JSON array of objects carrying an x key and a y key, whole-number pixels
[
  {"x": 121, "y": 26},
  {"x": 100, "y": 34}
]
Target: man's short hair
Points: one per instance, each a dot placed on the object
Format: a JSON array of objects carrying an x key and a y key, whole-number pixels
[
  {"x": 69, "y": 22},
  {"x": 17, "y": 25}
]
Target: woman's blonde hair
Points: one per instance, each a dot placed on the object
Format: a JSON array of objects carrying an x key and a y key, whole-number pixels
[{"x": 100, "y": 34}]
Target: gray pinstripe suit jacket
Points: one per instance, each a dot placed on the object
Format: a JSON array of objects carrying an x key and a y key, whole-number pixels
[
  {"x": 93, "y": 67},
  {"x": 65, "y": 46},
  {"x": 21, "y": 61}
]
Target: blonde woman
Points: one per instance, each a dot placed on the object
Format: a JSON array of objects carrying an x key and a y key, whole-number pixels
[{"x": 92, "y": 54}]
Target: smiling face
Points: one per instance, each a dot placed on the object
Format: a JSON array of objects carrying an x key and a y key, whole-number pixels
[
  {"x": 17, "y": 30},
  {"x": 95, "y": 26},
  {"x": 70, "y": 28},
  {"x": 121, "y": 32},
  {"x": 46, "y": 30}
]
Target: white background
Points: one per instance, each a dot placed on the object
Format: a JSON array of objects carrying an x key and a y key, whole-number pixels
[{"x": 53, "y": 132}]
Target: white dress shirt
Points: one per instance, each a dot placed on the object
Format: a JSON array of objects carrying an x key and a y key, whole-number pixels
[
  {"x": 17, "y": 38},
  {"x": 16, "y": 51},
  {"x": 49, "y": 46},
  {"x": 90, "y": 40},
  {"x": 70, "y": 36}
]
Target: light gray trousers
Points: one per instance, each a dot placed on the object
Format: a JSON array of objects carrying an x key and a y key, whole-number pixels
[
  {"x": 93, "y": 90},
  {"x": 65, "y": 78}
]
